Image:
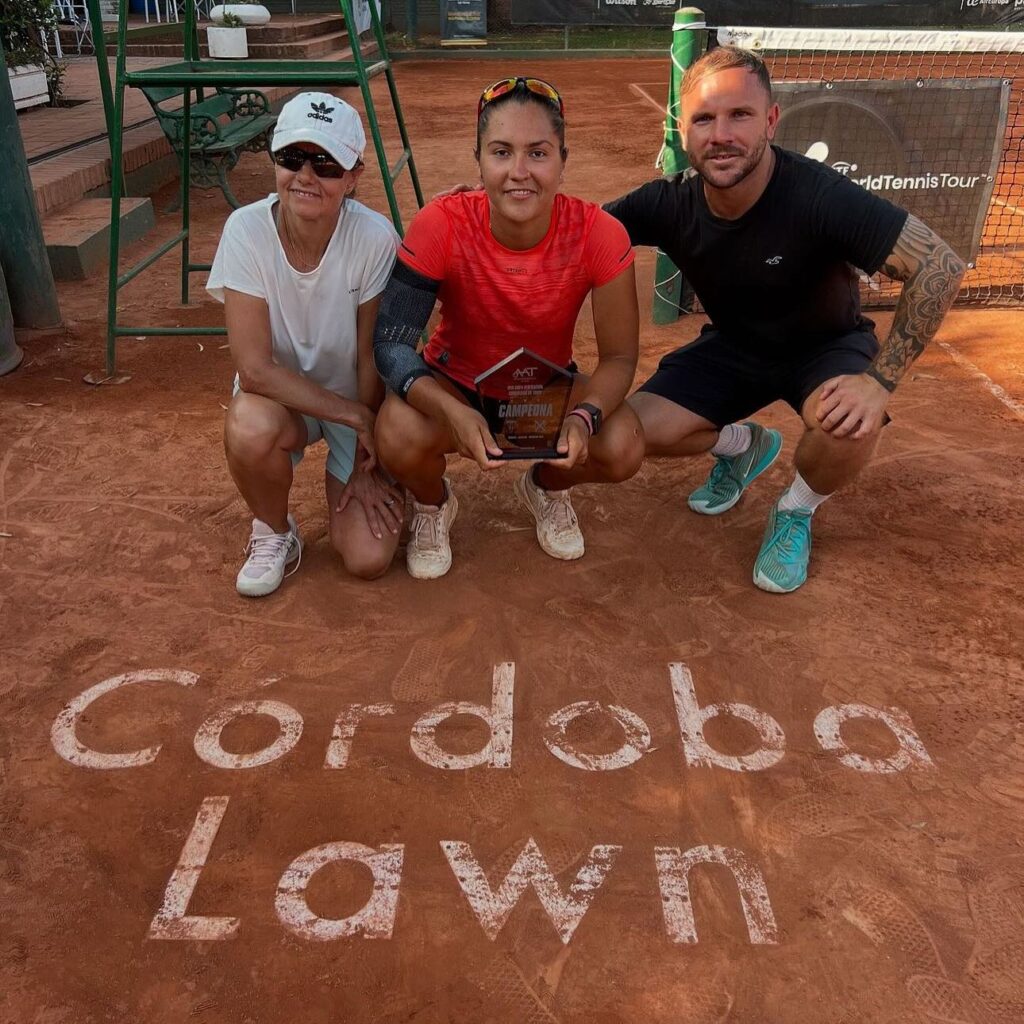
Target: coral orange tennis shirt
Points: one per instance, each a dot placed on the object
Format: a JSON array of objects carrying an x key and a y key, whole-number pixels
[{"x": 495, "y": 300}]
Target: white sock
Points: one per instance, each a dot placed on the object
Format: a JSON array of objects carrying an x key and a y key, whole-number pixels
[
  {"x": 733, "y": 439},
  {"x": 800, "y": 496}
]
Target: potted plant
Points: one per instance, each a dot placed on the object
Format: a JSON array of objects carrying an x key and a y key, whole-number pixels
[
  {"x": 249, "y": 11},
  {"x": 30, "y": 68},
  {"x": 227, "y": 38}
]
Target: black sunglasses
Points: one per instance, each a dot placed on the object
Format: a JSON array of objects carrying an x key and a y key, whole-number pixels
[{"x": 291, "y": 158}]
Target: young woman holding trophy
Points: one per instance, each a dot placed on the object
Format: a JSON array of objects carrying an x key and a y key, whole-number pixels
[{"x": 511, "y": 265}]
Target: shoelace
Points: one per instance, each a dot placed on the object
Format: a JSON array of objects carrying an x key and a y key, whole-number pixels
[
  {"x": 562, "y": 513},
  {"x": 262, "y": 551},
  {"x": 427, "y": 522},
  {"x": 724, "y": 467},
  {"x": 789, "y": 526}
]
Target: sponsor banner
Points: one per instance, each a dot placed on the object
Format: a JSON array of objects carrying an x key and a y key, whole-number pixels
[
  {"x": 594, "y": 12},
  {"x": 805, "y": 13},
  {"x": 463, "y": 21},
  {"x": 932, "y": 147}
]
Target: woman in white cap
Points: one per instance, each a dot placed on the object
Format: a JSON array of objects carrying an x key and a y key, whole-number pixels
[{"x": 300, "y": 274}]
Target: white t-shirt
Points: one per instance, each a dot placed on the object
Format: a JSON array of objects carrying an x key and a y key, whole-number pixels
[{"x": 312, "y": 315}]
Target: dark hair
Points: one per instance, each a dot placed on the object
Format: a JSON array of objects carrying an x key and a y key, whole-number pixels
[
  {"x": 522, "y": 96},
  {"x": 722, "y": 58}
]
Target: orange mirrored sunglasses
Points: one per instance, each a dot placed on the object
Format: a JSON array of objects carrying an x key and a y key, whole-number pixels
[{"x": 509, "y": 85}]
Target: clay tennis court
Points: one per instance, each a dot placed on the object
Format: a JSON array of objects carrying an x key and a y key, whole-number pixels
[{"x": 865, "y": 804}]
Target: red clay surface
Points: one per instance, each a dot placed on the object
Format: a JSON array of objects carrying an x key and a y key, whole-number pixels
[{"x": 898, "y": 898}]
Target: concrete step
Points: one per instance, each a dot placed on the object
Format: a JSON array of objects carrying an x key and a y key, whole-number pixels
[
  {"x": 304, "y": 49},
  {"x": 67, "y": 41},
  {"x": 78, "y": 237},
  {"x": 316, "y": 46},
  {"x": 281, "y": 31},
  {"x": 62, "y": 180},
  {"x": 285, "y": 30}
]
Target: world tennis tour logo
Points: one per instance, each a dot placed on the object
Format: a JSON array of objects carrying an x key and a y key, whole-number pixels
[
  {"x": 819, "y": 151},
  {"x": 320, "y": 112}
]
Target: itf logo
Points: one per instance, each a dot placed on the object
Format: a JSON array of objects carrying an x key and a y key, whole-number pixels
[
  {"x": 819, "y": 151},
  {"x": 320, "y": 112}
]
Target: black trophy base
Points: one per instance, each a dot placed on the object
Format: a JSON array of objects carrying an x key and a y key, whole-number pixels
[{"x": 537, "y": 454}]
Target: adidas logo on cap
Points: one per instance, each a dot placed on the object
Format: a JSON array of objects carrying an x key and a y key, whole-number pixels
[{"x": 320, "y": 112}]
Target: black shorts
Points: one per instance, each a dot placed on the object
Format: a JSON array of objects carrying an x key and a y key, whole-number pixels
[
  {"x": 487, "y": 407},
  {"x": 725, "y": 381}
]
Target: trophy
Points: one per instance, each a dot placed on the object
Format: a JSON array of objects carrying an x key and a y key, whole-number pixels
[{"x": 530, "y": 397}]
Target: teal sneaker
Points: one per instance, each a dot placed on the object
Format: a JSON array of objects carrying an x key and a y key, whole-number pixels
[
  {"x": 733, "y": 474},
  {"x": 781, "y": 565}
]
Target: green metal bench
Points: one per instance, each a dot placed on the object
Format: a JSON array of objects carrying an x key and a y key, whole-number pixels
[{"x": 222, "y": 126}]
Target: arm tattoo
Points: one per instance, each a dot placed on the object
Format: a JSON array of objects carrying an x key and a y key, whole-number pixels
[{"x": 931, "y": 273}]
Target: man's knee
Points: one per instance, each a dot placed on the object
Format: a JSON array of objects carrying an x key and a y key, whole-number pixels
[
  {"x": 254, "y": 426},
  {"x": 854, "y": 452}
]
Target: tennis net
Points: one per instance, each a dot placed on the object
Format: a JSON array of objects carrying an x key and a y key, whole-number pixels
[{"x": 933, "y": 121}]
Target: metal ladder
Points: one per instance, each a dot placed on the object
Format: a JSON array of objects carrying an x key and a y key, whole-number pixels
[{"x": 192, "y": 73}]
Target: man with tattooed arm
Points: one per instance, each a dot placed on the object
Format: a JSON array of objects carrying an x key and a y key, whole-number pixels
[{"x": 769, "y": 240}]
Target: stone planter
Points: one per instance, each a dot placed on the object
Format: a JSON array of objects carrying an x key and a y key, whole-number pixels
[
  {"x": 28, "y": 83},
  {"x": 251, "y": 14},
  {"x": 227, "y": 43}
]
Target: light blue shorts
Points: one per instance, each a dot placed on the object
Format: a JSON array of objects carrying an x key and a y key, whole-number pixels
[{"x": 341, "y": 443}]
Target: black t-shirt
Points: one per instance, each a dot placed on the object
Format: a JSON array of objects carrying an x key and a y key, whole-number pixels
[{"x": 782, "y": 272}]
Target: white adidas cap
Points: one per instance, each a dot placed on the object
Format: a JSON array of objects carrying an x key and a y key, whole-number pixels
[{"x": 325, "y": 121}]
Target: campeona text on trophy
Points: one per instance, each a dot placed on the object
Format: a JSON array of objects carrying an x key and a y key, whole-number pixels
[{"x": 526, "y": 397}]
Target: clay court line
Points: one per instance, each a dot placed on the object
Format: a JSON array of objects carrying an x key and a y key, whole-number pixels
[
  {"x": 105, "y": 503},
  {"x": 645, "y": 95},
  {"x": 295, "y": 627},
  {"x": 1000, "y": 393},
  {"x": 916, "y": 453},
  {"x": 179, "y": 497},
  {"x": 1009, "y": 206}
]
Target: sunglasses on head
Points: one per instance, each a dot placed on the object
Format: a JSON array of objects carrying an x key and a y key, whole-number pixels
[
  {"x": 509, "y": 85},
  {"x": 291, "y": 158}
]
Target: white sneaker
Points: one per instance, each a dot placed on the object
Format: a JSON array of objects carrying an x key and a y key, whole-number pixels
[
  {"x": 558, "y": 529},
  {"x": 269, "y": 553},
  {"x": 428, "y": 554}
]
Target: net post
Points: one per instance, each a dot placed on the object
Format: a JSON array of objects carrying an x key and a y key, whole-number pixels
[{"x": 687, "y": 40}]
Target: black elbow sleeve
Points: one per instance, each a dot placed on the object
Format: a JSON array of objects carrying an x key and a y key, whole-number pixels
[{"x": 404, "y": 311}]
